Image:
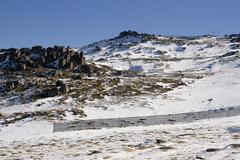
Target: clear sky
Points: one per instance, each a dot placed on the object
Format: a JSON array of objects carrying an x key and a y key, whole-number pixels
[{"x": 24, "y": 23}]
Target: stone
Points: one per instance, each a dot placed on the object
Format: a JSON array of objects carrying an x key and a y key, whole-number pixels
[
  {"x": 212, "y": 149},
  {"x": 21, "y": 67},
  {"x": 54, "y": 56},
  {"x": 87, "y": 69},
  {"x": 70, "y": 65},
  {"x": 57, "y": 73},
  {"x": 128, "y": 33},
  {"x": 41, "y": 60},
  {"x": 234, "y": 46},
  {"x": 60, "y": 49},
  {"x": 62, "y": 63},
  {"x": 10, "y": 85},
  {"x": 76, "y": 77},
  {"x": 63, "y": 87},
  {"x": 67, "y": 57},
  {"x": 117, "y": 73},
  {"x": 78, "y": 58},
  {"x": 14, "y": 55},
  {"x": 29, "y": 62},
  {"x": 52, "y": 92},
  {"x": 77, "y": 111},
  {"x": 36, "y": 49},
  {"x": 25, "y": 50}
]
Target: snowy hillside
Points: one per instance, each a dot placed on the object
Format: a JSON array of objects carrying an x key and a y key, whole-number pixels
[
  {"x": 168, "y": 53},
  {"x": 213, "y": 60},
  {"x": 133, "y": 74}
]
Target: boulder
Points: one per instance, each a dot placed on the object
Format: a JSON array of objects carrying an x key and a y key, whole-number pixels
[
  {"x": 128, "y": 33},
  {"x": 14, "y": 55},
  {"x": 234, "y": 46},
  {"x": 63, "y": 87},
  {"x": 29, "y": 62},
  {"x": 52, "y": 56},
  {"x": 78, "y": 58},
  {"x": 41, "y": 60},
  {"x": 77, "y": 76},
  {"x": 37, "y": 49},
  {"x": 67, "y": 57},
  {"x": 62, "y": 63},
  {"x": 52, "y": 92},
  {"x": 60, "y": 49},
  {"x": 57, "y": 73},
  {"x": 25, "y": 51},
  {"x": 70, "y": 65},
  {"x": 86, "y": 69},
  {"x": 77, "y": 111}
]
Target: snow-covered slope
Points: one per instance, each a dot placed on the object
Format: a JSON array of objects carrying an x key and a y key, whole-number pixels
[
  {"x": 216, "y": 59},
  {"x": 157, "y": 75},
  {"x": 168, "y": 53}
]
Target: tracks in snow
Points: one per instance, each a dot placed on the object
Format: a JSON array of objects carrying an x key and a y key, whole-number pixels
[{"x": 145, "y": 120}]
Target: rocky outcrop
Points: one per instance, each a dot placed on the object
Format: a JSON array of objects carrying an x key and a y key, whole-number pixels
[
  {"x": 11, "y": 85},
  {"x": 57, "y": 57},
  {"x": 63, "y": 87}
]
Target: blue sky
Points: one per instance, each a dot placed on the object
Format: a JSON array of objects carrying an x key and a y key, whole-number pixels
[{"x": 24, "y": 23}]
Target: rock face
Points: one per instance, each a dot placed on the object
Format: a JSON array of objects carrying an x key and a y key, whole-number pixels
[
  {"x": 35, "y": 73},
  {"x": 63, "y": 87},
  {"x": 52, "y": 92},
  {"x": 234, "y": 38},
  {"x": 57, "y": 57},
  {"x": 10, "y": 85}
]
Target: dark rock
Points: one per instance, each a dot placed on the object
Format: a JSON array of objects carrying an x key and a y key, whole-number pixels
[
  {"x": 97, "y": 49},
  {"x": 63, "y": 87},
  {"x": 37, "y": 49},
  {"x": 198, "y": 157},
  {"x": 212, "y": 149},
  {"x": 60, "y": 49},
  {"x": 229, "y": 54},
  {"x": 52, "y": 56},
  {"x": 25, "y": 51},
  {"x": 20, "y": 67},
  {"x": 117, "y": 73},
  {"x": 77, "y": 111},
  {"x": 27, "y": 60},
  {"x": 62, "y": 63},
  {"x": 45, "y": 54},
  {"x": 70, "y": 65},
  {"x": 235, "y": 39},
  {"x": 10, "y": 85},
  {"x": 94, "y": 152},
  {"x": 57, "y": 73},
  {"x": 14, "y": 55},
  {"x": 159, "y": 141},
  {"x": 67, "y": 57},
  {"x": 166, "y": 148},
  {"x": 41, "y": 60},
  {"x": 76, "y": 76},
  {"x": 234, "y": 46},
  {"x": 52, "y": 92},
  {"x": 78, "y": 58},
  {"x": 59, "y": 83},
  {"x": 128, "y": 33},
  {"x": 87, "y": 69}
]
